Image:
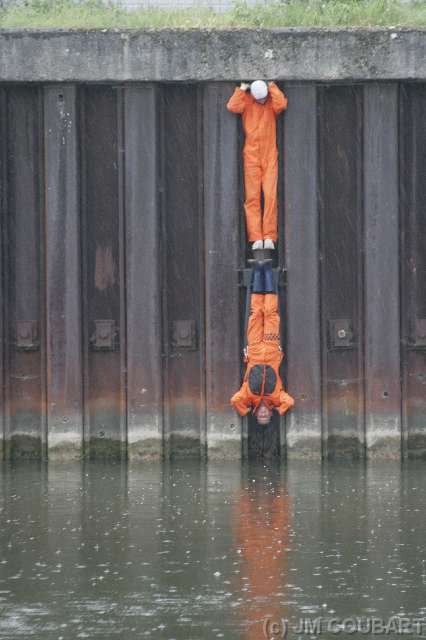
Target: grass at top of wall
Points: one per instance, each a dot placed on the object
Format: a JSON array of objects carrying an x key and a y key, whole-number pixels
[{"x": 95, "y": 14}]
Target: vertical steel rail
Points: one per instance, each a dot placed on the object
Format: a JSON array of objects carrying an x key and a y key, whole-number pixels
[
  {"x": 24, "y": 186},
  {"x": 303, "y": 363},
  {"x": 122, "y": 320},
  {"x": 165, "y": 347},
  {"x": 407, "y": 212},
  {"x": 201, "y": 272},
  {"x": 341, "y": 236},
  {"x": 63, "y": 319},
  {"x": 103, "y": 288},
  {"x": 42, "y": 258},
  {"x": 281, "y": 262},
  {"x": 143, "y": 258},
  {"x": 4, "y": 372},
  {"x": 221, "y": 225},
  {"x": 382, "y": 313},
  {"x": 413, "y": 263},
  {"x": 81, "y": 103},
  {"x": 183, "y": 271}
]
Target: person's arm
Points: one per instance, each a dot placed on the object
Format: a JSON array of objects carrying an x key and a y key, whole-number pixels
[
  {"x": 240, "y": 401},
  {"x": 238, "y": 101},
  {"x": 286, "y": 402},
  {"x": 279, "y": 99}
]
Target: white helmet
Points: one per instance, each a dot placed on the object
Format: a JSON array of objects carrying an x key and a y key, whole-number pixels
[{"x": 259, "y": 89}]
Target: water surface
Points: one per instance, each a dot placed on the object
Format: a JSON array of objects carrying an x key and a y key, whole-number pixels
[{"x": 187, "y": 551}]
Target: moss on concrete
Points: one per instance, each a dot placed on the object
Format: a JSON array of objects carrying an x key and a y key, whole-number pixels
[
  {"x": 145, "y": 450},
  {"x": 65, "y": 450},
  {"x": 416, "y": 446},
  {"x": 226, "y": 450},
  {"x": 340, "y": 446},
  {"x": 385, "y": 448},
  {"x": 23, "y": 447},
  {"x": 181, "y": 446},
  {"x": 304, "y": 450},
  {"x": 104, "y": 448}
]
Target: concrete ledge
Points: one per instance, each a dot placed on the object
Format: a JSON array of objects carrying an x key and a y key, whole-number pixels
[{"x": 55, "y": 55}]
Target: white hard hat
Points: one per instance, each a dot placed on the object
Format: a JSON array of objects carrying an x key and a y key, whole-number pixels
[{"x": 259, "y": 89}]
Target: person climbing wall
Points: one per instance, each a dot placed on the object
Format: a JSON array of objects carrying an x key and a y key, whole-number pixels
[
  {"x": 259, "y": 108},
  {"x": 262, "y": 390}
]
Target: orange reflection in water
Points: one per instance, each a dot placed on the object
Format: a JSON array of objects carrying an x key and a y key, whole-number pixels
[{"x": 261, "y": 528}]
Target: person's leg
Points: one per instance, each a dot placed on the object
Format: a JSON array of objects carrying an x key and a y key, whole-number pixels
[
  {"x": 258, "y": 279},
  {"x": 255, "y": 323},
  {"x": 270, "y": 210},
  {"x": 271, "y": 319},
  {"x": 252, "y": 186},
  {"x": 271, "y": 278}
]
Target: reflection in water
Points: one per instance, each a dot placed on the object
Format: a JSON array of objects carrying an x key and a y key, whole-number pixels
[
  {"x": 187, "y": 551},
  {"x": 261, "y": 519}
]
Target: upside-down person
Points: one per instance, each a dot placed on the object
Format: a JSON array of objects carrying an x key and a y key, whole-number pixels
[
  {"x": 259, "y": 108},
  {"x": 262, "y": 390}
]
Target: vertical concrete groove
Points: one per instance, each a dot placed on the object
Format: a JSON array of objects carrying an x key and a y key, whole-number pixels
[
  {"x": 341, "y": 241},
  {"x": 84, "y": 271},
  {"x": 143, "y": 273},
  {"x": 4, "y": 372},
  {"x": 163, "y": 280},
  {"x": 382, "y": 335},
  {"x": 63, "y": 329},
  {"x": 303, "y": 362},
  {"x": 122, "y": 273},
  {"x": 412, "y": 163},
  {"x": 202, "y": 273},
  {"x": 321, "y": 303},
  {"x": 221, "y": 224},
  {"x": 405, "y": 215},
  {"x": 43, "y": 293}
]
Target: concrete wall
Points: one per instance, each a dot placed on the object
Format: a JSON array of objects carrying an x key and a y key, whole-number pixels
[
  {"x": 122, "y": 218},
  {"x": 194, "y": 55}
]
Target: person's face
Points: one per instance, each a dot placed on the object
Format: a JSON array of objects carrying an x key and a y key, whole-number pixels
[
  {"x": 263, "y": 414},
  {"x": 262, "y": 100}
]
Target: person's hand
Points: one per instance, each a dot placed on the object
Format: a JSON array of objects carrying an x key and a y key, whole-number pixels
[
  {"x": 270, "y": 83},
  {"x": 244, "y": 86}
]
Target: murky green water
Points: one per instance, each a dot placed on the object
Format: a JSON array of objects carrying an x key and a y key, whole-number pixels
[{"x": 186, "y": 551}]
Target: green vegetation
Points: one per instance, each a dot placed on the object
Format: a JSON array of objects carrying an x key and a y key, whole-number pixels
[{"x": 95, "y": 14}]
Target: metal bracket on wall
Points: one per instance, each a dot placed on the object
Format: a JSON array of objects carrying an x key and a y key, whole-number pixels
[
  {"x": 184, "y": 334},
  {"x": 420, "y": 333},
  {"x": 27, "y": 335},
  {"x": 104, "y": 336},
  {"x": 341, "y": 334}
]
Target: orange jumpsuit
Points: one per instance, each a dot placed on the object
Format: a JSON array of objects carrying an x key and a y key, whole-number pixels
[
  {"x": 262, "y": 380},
  {"x": 260, "y": 159}
]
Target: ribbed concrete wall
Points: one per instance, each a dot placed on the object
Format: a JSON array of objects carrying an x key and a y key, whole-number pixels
[{"x": 122, "y": 230}]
